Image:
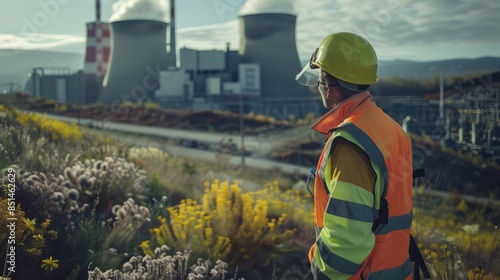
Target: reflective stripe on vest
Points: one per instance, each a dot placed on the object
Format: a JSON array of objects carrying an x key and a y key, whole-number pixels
[{"x": 382, "y": 263}]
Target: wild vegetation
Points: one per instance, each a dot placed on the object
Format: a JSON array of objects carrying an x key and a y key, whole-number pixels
[
  {"x": 87, "y": 202},
  {"x": 150, "y": 114},
  {"x": 91, "y": 207}
]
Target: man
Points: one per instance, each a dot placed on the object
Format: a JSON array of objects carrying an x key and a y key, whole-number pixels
[{"x": 363, "y": 183}]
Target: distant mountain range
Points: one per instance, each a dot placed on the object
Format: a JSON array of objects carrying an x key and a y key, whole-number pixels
[
  {"x": 424, "y": 70},
  {"x": 16, "y": 64}
]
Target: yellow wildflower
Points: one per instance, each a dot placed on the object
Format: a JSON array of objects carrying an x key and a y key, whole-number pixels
[
  {"x": 146, "y": 248},
  {"x": 45, "y": 224},
  {"x": 49, "y": 264},
  {"x": 34, "y": 252},
  {"x": 30, "y": 225},
  {"x": 38, "y": 237}
]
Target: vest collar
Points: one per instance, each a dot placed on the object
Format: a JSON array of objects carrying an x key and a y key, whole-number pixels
[{"x": 339, "y": 113}]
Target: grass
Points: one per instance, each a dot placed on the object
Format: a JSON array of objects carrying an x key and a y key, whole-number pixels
[{"x": 459, "y": 239}]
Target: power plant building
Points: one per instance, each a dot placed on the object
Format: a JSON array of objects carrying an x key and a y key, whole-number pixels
[
  {"x": 262, "y": 71},
  {"x": 135, "y": 60}
]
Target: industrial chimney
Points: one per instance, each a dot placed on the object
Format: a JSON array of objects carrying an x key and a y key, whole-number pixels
[
  {"x": 98, "y": 45},
  {"x": 138, "y": 53},
  {"x": 269, "y": 40},
  {"x": 172, "y": 54},
  {"x": 96, "y": 56}
]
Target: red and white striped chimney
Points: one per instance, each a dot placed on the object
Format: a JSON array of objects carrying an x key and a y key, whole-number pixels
[{"x": 98, "y": 45}]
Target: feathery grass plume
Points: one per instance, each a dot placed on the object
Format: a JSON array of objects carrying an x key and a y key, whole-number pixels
[
  {"x": 114, "y": 180},
  {"x": 65, "y": 199},
  {"x": 164, "y": 266},
  {"x": 150, "y": 154}
]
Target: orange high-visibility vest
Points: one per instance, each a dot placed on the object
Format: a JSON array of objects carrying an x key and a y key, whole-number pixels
[{"x": 389, "y": 148}]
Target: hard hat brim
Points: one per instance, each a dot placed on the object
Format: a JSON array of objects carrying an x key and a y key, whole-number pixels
[{"x": 308, "y": 77}]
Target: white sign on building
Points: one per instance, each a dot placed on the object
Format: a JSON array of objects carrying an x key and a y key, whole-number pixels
[{"x": 249, "y": 78}]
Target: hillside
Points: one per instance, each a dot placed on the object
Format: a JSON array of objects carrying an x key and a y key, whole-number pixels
[
  {"x": 18, "y": 63},
  {"x": 295, "y": 143},
  {"x": 429, "y": 70}
]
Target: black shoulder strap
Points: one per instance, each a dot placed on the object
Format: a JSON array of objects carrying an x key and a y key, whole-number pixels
[
  {"x": 383, "y": 214},
  {"x": 416, "y": 256},
  {"x": 418, "y": 173}
]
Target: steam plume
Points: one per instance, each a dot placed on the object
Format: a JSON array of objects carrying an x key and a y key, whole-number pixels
[
  {"x": 141, "y": 9},
  {"x": 267, "y": 6}
]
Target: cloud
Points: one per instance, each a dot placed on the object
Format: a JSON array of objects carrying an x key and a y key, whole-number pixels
[
  {"x": 401, "y": 29},
  {"x": 400, "y": 24},
  {"x": 37, "y": 41},
  {"x": 140, "y": 9},
  {"x": 267, "y": 6},
  {"x": 209, "y": 36},
  {"x": 408, "y": 23}
]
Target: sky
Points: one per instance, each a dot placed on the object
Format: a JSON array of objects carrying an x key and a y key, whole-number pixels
[{"x": 419, "y": 30}]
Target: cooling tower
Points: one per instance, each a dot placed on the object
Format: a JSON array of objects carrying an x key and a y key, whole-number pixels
[
  {"x": 138, "y": 52},
  {"x": 269, "y": 40}
]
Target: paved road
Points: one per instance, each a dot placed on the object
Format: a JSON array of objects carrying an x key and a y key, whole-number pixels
[
  {"x": 233, "y": 162},
  {"x": 259, "y": 145}
]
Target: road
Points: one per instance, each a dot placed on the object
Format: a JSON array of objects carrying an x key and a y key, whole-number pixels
[
  {"x": 259, "y": 145},
  {"x": 210, "y": 156}
]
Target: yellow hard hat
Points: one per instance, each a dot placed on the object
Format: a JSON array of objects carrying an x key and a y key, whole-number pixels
[{"x": 346, "y": 56}]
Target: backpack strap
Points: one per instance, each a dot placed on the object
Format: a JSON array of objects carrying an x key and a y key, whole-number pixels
[
  {"x": 418, "y": 173},
  {"x": 383, "y": 214},
  {"x": 415, "y": 254}
]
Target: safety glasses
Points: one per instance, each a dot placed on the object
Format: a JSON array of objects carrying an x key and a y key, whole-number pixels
[{"x": 314, "y": 56}]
